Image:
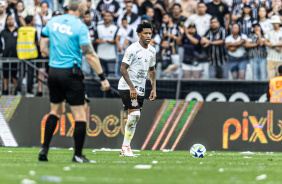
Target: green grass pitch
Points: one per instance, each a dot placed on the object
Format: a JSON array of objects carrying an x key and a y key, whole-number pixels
[{"x": 17, "y": 164}]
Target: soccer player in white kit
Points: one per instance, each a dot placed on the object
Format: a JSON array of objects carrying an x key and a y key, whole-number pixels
[{"x": 138, "y": 61}]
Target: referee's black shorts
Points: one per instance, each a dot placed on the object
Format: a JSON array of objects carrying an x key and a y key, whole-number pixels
[
  {"x": 64, "y": 85},
  {"x": 128, "y": 103}
]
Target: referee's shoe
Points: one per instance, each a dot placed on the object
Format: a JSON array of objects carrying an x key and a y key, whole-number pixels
[{"x": 82, "y": 159}]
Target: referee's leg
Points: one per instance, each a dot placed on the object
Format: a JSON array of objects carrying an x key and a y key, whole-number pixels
[
  {"x": 79, "y": 115},
  {"x": 50, "y": 126}
]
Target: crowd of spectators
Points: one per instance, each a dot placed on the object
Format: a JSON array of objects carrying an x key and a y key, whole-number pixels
[{"x": 194, "y": 39}]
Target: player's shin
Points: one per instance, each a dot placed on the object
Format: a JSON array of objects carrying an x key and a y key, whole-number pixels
[
  {"x": 130, "y": 127},
  {"x": 79, "y": 137},
  {"x": 50, "y": 127}
]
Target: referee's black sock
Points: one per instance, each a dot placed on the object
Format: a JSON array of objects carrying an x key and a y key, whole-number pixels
[
  {"x": 50, "y": 127},
  {"x": 79, "y": 137}
]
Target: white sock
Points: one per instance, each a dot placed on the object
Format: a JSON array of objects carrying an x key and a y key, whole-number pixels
[{"x": 130, "y": 127}]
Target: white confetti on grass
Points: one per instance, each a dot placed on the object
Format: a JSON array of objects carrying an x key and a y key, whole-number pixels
[
  {"x": 247, "y": 157},
  {"x": 143, "y": 167},
  {"x": 261, "y": 177},
  {"x": 32, "y": 173},
  {"x": 28, "y": 181},
  {"x": 247, "y": 153},
  {"x": 154, "y": 162},
  {"x": 220, "y": 170},
  {"x": 66, "y": 168}
]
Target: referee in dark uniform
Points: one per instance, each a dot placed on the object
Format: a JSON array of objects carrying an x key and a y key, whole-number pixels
[{"x": 66, "y": 38}]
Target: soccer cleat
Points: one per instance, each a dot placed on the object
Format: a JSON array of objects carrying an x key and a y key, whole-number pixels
[
  {"x": 43, "y": 154},
  {"x": 81, "y": 159},
  {"x": 127, "y": 151},
  {"x": 121, "y": 153}
]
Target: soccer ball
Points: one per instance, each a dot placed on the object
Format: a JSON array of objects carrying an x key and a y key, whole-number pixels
[{"x": 198, "y": 151}]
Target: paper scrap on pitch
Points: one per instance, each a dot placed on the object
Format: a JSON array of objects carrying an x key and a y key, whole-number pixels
[
  {"x": 143, "y": 167},
  {"x": 166, "y": 150},
  {"x": 32, "y": 173},
  {"x": 247, "y": 157},
  {"x": 28, "y": 181},
  {"x": 66, "y": 168},
  {"x": 71, "y": 148},
  {"x": 154, "y": 162},
  {"x": 261, "y": 177},
  {"x": 220, "y": 170},
  {"x": 247, "y": 153},
  {"x": 108, "y": 149}
]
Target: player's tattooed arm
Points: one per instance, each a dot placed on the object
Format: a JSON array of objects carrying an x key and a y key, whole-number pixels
[
  {"x": 124, "y": 73},
  {"x": 45, "y": 46},
  {"x": 152, "y": 76},
  {"x": 87, "y": 49}
]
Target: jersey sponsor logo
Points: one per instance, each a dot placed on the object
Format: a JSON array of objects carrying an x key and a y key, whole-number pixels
[
  {"x": 62, "y": 28},
  {"x": 134, "y": 103},
  {"x": 142, "y": 74},
  {"x": 146, "y": 61}
]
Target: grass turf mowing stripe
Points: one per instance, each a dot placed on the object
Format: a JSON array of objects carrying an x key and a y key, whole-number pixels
[{"x": 169, "y": 120}]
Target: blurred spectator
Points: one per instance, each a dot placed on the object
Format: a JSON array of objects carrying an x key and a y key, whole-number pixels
[
  {"x": 169, "y": 30},
  {"x": 105, "y": 38},
  {"x": 158, "y": 7},
  {"x": 3, "y": 15},
  {"x": 132, "y": 18},
  {"x": 122, "y": 8},
  {"x": 257, "y": 53},
  {"x": 26, "y": 49},
  {"x": 273, "y": 39},
  {"x": 220, "y": 10},
  {"x": 190, "y": 41},
  {"x": 236, "y": 52},
  {"x": 42, "y": 17},
  {"x": 246, "y": 20},
  {"x": 165, "y": 61},
  {"x": 95, "y": 14},
  {"x": 8, "y": 39},
  {"x": 85, "y": 67},
  {"x": 18, "y": 11},
  {"x": 276, "y": 8},
  {"x": 122, "y": 34},
  {"x": 32, "y": 10},
  {"x": 214, "y": 42},
  {"x": 238, "y": 6},
  {"x": 155, "y": 22},
  {"x": 188, "y": 7},
  {"x": 177, "y": 18},
  {"x": 108, "y": 6},
  {"x": 201, "y": 19},
  {"x": 263, "y": 21}
]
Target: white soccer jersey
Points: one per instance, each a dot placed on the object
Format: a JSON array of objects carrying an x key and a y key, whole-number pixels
[{"x": 139, "y": 60}]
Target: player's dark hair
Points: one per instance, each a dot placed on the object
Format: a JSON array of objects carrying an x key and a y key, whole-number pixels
[
  {"x": 87, "y": 12},
  {"x": 124, "y": 18},
  {"x": 43, "y": 3},
  {"x": 144, "y": 25},
  {"x": 28, "y": 19}
]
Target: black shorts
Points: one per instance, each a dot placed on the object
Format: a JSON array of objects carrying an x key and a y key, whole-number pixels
[
  {"x": 6, "y": 68},
  {"x": 64, "y": 85},
  {"x": 128, "y": 103}
]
